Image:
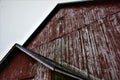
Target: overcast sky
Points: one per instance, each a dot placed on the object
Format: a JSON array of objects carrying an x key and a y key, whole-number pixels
[{"x": 20, "y": 18}]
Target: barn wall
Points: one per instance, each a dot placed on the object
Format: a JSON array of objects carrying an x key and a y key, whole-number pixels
[
  {"x": 19, "y": 67},
  {"x": 42, "y": 73},
  {"x": 85, "y": 38}
]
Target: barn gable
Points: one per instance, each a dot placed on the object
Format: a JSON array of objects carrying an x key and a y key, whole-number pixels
[
  {"x": 55, "y": 67},
  {"x": 83, "y": 36},
  {"x": 16, "y": 65},
  {"x": 77, "y": 40}
]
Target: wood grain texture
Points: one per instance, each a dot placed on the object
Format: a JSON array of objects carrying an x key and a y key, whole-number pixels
[{"x": 85, "y": 38}]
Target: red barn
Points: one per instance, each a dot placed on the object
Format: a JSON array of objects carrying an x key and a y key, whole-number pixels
[{"x": 77, "y": 41}]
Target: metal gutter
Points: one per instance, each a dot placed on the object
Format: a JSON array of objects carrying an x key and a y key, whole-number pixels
[
  {"x": 35, "y": 56},
  {"x": 54, "y": 66}
]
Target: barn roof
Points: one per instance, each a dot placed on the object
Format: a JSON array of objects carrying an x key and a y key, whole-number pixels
[
  {"x": 52, "y": 65},
  {"x": 63, "y": 5}
]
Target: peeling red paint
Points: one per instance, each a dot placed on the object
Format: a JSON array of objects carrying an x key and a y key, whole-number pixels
[
  {"x": 85, "y": 38},
  {"x": 20, "y": 67},
  {"x": 43, "y": 73}
]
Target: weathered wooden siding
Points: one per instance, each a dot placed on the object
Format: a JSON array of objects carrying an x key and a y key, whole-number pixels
[
  {"x": 85, "y": 38},
  {"x": 19, "y": 67},
  {"x": 42, "y": 73}
]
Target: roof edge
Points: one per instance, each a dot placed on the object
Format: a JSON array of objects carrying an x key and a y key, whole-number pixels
[
  {"x": 14, "y": 46},
  {"x": 52, "y": 65},
  {"x": 42, "y": 25},
  {"x": 57, "y": 8}
]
